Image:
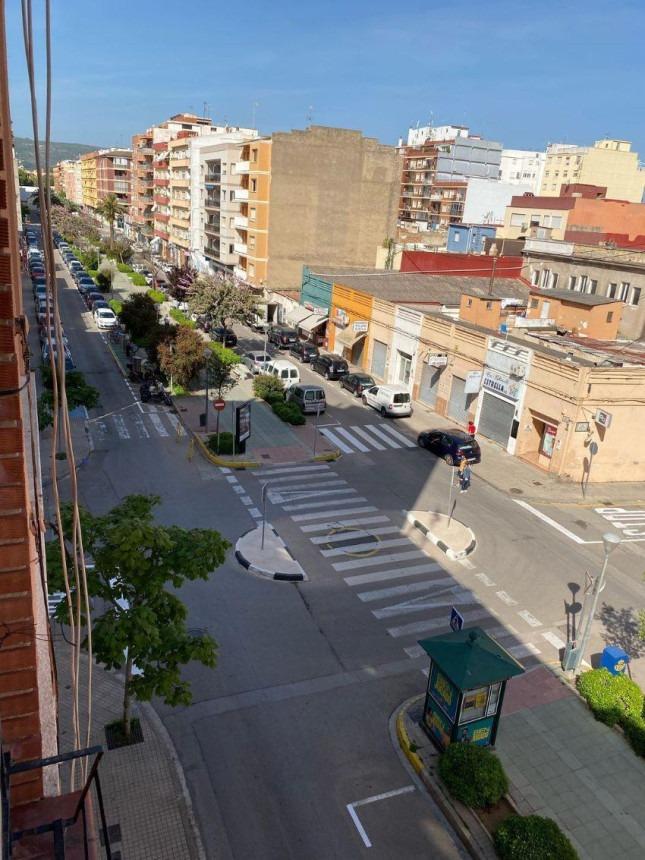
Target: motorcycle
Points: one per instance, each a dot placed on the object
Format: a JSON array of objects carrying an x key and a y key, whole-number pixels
[{"x": 154, "y": 392}]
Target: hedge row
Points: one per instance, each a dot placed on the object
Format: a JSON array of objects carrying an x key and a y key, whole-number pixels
[
  {"x": 157, "y": 296},
  {"x": 532, "y": 837},
  {"x": 270, "y": 388},
  {"x": 225, "y": 443},
  {"x": 180, "y": 318},
  {"x": 616, "y": 700},
  {"x": 137, "y": 279}
]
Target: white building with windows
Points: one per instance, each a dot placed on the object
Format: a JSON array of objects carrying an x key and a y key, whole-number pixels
[{"x": 522, "y": 167}]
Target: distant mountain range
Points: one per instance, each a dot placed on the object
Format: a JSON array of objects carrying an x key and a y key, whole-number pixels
[{"x": 57, "y": 151}]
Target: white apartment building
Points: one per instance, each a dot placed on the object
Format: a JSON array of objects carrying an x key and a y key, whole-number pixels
[{"x": 522, "y": 167}]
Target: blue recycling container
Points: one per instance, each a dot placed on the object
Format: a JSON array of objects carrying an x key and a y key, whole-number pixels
[{"x": 614, "y": 659}]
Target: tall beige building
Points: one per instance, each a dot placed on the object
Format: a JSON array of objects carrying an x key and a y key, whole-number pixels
[{"x": 608, "y": 163}]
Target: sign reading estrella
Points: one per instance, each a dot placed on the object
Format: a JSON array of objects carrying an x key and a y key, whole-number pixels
[{"x": 501, "y": 384}]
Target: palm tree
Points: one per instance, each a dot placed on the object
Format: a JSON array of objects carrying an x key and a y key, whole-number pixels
[{"x": 110, "y": 207}]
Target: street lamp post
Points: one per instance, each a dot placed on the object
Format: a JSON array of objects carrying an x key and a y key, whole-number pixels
[{"x": 609, "y": 541}]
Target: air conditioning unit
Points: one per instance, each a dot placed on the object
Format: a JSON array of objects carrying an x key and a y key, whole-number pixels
[{"x": 518, "y": 370}]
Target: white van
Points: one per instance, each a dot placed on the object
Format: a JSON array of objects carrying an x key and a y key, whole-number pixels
[
  {"x": 284, "y": 370},
  {"x": 389, "y": 399}
]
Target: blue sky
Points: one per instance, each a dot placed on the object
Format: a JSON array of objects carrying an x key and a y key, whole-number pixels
[{"x": 525, "y": 74}]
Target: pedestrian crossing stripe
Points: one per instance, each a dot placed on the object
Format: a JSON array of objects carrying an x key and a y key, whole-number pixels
[
  {"x": 134, "y": 426},
  {"x": 366, "y": 437}
]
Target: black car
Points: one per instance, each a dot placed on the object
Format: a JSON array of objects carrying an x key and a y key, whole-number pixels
[
  {"x": 282, "y": 336},
  {"x": 330, "y": 366},
  {"x": 357, "y": 382},
  {"x": 452, "y": 445},
  {"x": 304, "y": 350},
  {"x": 224, "y": 335}
]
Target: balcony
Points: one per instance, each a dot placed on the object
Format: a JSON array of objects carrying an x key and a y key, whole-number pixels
[
  {"x": 212, "y": 203},
  {"x": 212, "y": 227},
  {"x": 162, "y": 217},
  {"x": 240, "y": 273},
  {"x": 242, "y": 222},
  {"x": 241, "y": 193},
  {"x": 180, "y": 201},
  {"x": 213, "y": 178},
  {"x": 242, "y": 167},
  {"x": 240, "y": 248},
  {"x": 161, "y": 183},
  {"x": 162, "y": 234},
  {"x": 180, "y": 182}
]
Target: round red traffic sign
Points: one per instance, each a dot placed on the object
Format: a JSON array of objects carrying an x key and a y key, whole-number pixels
[{"x": 219, "y": 405}]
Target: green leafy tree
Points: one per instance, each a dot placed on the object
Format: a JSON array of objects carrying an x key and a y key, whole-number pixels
[
  {"x": 139, "y": 316},
  {"x": 138, "y": 567},
  {"x": 110, "y": 208},
  {"x": 182, "y": 357},
  {"x": 222, "y": 299},
  {"x": 220, "y": 367},
  {"x": 79, "y": 393}
]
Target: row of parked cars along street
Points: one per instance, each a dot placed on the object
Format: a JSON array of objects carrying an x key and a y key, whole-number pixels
[{"x": 104, "y": 316}]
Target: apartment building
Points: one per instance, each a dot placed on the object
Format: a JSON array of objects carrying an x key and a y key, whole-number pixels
[
  {"x": 609, "y": 163},
  {"x": 522, "y": 167},
  {"x": 437, "y": 164},
  {"x": 179, "y": 199},
  {"x": 322, "y": 195},
  {"x": 106, "y": 172},
  {"x": 140, "y": 222}
]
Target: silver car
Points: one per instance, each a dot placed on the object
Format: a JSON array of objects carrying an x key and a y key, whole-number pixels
[{"x": 256, "y": 361}]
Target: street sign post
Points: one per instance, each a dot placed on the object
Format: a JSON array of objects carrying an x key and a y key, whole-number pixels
[
  {"x": 456, "y": 620},
  {"x": 219, "y": 405}
]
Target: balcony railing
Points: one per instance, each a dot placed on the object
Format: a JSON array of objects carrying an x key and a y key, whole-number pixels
[
  {"x": 241, "y": 194},
  {"x": 240, "y": 248},
  {"x": 242, "y": 167},
  {"x": 212, "y": 227},
  {"x": 241, "y": 221},
  {"x": 212, "y": 203},
  {"x": 213, "y": 177},
  {"x": 240, "y": 273}
]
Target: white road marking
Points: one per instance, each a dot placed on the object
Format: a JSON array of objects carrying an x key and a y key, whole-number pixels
[
  {"x": 232, "y": 479},
  {"x": 377, "y": 559},
  {"x": 550, "y": 522},
  {"x": 414, "y": 651},
  {"x": 178, "y": 427},
  {"x": 466, "y": 562},
  {"x": 335, "y": 440},
  {"x": 554, "y": 640},
  {"x": 140, "y": 424},
  {"x": 352, "y": 439},
  {"x": 506, "y": 598},
  {"x": 238, "y": 488},
  {"x": 309, "y": 505},
  {"x": 382, "y": 435},
  {"x": 453, "y": 597},
  {"x": 121, "y": 429},
  {"x": 280, "y": 499},
  {"x": 246, "y": 500},
  {"x": 407, "y": 442},
  {"x": 526, "y": 650},
  {"x": 503, "y": 632},
  {"x": 424, "y": 626},
  {"x": 361, "y": 432},
  {"x": 331, "y": 524},
  {"x": 304, "y": 487},
  {"x": 158, "y": 424},
  {"x": 302, "y": 518},
  {"x": 530, "y": 619},
  {"x": 255, "y": 512},
  {"x": 400, "y": 590},
  {"x": 294, "y": 479},
  {"x": 372, "y": 545},
  {"x": 353, "y": 535},
  {"x": 394, "y": 573},
  {"x": 351, "y": 808},
  {"x": 485, "y": 579},
  {"x": 224, "y": 470},
  {"x": 285, "y": 470}
]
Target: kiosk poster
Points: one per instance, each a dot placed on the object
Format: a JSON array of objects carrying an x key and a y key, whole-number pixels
[{"x": 444, "y": 692}]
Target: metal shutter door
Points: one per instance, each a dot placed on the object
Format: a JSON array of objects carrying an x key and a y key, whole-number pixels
[
  {"x": 429, "y": 384},
  {"x": 379, "y": 357},
  {"x": 457, "y": 403},
  {"x": 495, "y": 419}
]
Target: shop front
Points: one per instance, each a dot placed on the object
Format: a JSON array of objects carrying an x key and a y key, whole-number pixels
[
  {"x": 405, "y": 345},
  {"x": 502, "y": 392}
]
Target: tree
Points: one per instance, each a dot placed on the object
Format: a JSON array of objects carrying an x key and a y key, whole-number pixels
[
  {"x": 138, "y": 567},
  {"x": 219, "y": 374},
  {"x": 180, "y": 279},
  {"x": 139, "y": 316},
  {"x": 79, "y": 393},
  {"x": 106, "y": 275},
  {"x": 110, "y": 208},
  {"x": 118, "y": 249},
  {"x": 183, "y": 356},
  {"x": 222, "y": 299}
]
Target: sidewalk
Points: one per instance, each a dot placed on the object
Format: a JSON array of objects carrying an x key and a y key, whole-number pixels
[
  {"x": 561, "y": 763},
  {"x": 148, "y": 809}
]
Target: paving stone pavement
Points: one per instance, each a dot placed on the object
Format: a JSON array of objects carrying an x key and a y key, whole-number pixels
[
  {"x": 147, "y": 806},
  {"x": 565, "y": 764}
]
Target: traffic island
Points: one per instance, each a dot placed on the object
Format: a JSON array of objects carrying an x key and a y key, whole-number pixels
[
  {"x": 446, "y": 533},
  {"x": 268, "y": 557}
]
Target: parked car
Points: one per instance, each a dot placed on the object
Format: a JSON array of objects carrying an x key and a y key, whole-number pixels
[
  {"x": 99, "y": 303},
  {"x": 451, "y": 445},
  {"x": 357, "y": 383},
  {"x": 304, "y": 350},
  {"x": 393, "y": 400},
  {"x": 259, "y": 325},
  {"x": 40, "y": 292},
  {"x": 282, "y": 336},
  {"x": 42, "y": 332},
  {"x": 286, "y": 371},
  {"x": 224, "y": 335},
  {"x": 92, "y": 297},
  {"x": 310, "y": 398},
  {"x": 86, "y": 287},
  {"x": 77, "y": 274},
  {"x": 256, "y": 361},
  {"x": 105, "y": 318},
  {"x": 330, "y": 366},
  {"x": 69, "y": 362}
]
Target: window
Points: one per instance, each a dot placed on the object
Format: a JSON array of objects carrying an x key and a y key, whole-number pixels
[
  {"x": 572, "y": 282},
  {"x": 556, "y": 221},
  {"x": 636, "y": 296},
  {"x": 582, "y": 287},
  {"x": 489, "y": 306},
  {"x": 252, "y": 211},
  {"x": 535, "y": 303},
  {"x": 610, "y": 316},
  {"x": 232, "y": 195},
  {"x": 254, "y": 155},
  {"x": 611, "y": 291},
  {"x": 623, "y": 291},
  {"x": 517, "y": 219},
  {"x": 593, "y": 286},
  {"x": 405, "y": 367},
  {"x": 544, "y": 281},
  {"x": 469, "y": 303},
  {"x": 554, "y": 280},
  {"x": 535, "y": 277},
  {"x": 535, "y": 221},
  {"x": 254, "y": 185}
]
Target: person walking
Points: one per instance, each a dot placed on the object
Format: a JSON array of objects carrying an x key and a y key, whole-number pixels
[
  {"x": 471, "y": 427},
  {"x": 465, "y": 474}
]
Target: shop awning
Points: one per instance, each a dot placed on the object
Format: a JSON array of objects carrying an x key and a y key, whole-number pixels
[
  {"x": 312, "y": 322},
  {"x": 348, "y": 337},
  {"x": 295, "y": 316}
]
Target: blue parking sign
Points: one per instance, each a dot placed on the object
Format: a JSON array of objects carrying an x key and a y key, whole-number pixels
[{"x": 456, "y": 620}]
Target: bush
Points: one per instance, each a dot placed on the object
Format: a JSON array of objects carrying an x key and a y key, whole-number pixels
[
  {"x": 265, "y": 384},
  {"x": 612, "y": 698},
  {"x": 180, "y": 317},
  {"x": 272, "y": 397},
  {"x": 137, "y": 279},
  {"x": 116, "y": 306},
  {"x": 634, "y": 728},
  {"x": 473, "y": 774},
  {"x": 157, "y": 296},
  {"x": 532, "y": 838},
  {"x": 289, "y": 412},
  {"x": 225, "y": 443},
  {"x": 92, "y": 273},
  {"x": 123, "y": 267},
  {"x": 104, "y": 282}
]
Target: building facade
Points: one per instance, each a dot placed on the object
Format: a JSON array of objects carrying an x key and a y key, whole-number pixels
[
  {"x": 323, "y": 195},
  {"x": 140, "y": 223},
  {"x": 522, "y": 167},
  {"x": 468, "y": 238},
  {"x": 106, "y": 172},
  {"x": 486, "y": 200},
  {"x": 609, "y": 163}
]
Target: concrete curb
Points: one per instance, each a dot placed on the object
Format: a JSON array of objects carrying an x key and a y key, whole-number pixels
[
  {"x": 120, "y": 367},
  {"x": 454, "y": 556},
  {"x": 327, "y": 457},
  {"x": 220, "y": 461},
  {"x": 277, "y": 575}
]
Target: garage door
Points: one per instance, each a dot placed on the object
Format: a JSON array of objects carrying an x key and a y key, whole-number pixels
[
  {"x": 458, "y": 404},
  {"x": 429, "y": 384},
  {"x": 495, "y": 419},
  {"x": 379, "y": 357}
]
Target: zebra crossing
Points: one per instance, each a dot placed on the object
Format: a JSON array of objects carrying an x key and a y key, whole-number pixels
[
  {"x": 133, "y": 425},
  {"x": 359, "y": 439},
  {"x": 409, "y": 592}
]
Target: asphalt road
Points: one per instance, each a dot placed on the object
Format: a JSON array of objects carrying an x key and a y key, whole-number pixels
[{"x": 286, "y": 747}]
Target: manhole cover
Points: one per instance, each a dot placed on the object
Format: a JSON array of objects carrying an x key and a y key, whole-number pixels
[
  {"x": 537, "y": 483},
  {"x": 516, "y": 491},
  {"x": 581, "y": 523}
]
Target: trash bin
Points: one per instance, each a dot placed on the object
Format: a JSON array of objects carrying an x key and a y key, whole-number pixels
[
  {"x": 202, "y": 419},
  {"x": 614, "y": 659}
]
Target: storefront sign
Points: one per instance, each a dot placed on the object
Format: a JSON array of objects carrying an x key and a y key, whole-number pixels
[
  {"x": 340, "y": 317},
  {"x": 582, "y": 426},
  {"x": 444, "y": 692},
  {"x": 437, "y": 360},
  {"x": 360, "y": 326},
  {"x": 603, "y": 418},
  {"x": 321, "y": 312},
  {"x": 500, "y": 383},
  {"x": 548, "y": 440},
  {"x": 473, "y": 382}
]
